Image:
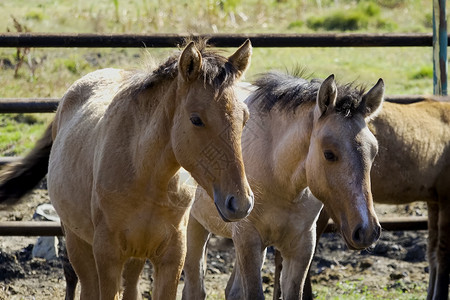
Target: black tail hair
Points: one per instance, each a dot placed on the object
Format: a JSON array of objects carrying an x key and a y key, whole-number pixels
[{"x": 19, "y": 178}]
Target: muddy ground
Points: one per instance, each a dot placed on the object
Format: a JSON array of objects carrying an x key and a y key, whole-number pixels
[{"x": 397, "y": 263}]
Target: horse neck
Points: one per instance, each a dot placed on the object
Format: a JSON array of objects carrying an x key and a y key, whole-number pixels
[
  {"x": 275, "y": 148},
  {"x": 154, "y": 159}
]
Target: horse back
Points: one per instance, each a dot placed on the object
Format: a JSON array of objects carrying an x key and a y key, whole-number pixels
[{"x": 93, "y": 92}]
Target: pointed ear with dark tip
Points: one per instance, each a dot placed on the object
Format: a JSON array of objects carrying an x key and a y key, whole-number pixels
[
  {"x": 190, "y": 63},
  {"x": 373, "y": 99},
  {"x": 326, "y": 96},
  {"x": 241, "y": 58}
]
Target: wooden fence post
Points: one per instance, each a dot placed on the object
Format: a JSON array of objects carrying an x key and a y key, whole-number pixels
[{"x": 440, "y": 42}]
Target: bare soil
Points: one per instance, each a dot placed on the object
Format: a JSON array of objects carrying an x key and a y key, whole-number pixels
[{"x": 397, "y": 263}]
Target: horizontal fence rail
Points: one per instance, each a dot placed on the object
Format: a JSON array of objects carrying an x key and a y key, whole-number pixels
[
  {"x": 44, "y": 40},
  {"x": 30, "y": 228},
  {"x": 47, "y": 105},
  {"x": 410, "y": 223},
  {"x": 47, "y": 228},
  {"x": 28, "y": 105}
]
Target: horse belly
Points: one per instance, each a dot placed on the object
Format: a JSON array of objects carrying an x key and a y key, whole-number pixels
[
  {"x": 72, "y": 203},
  {"x": 402, "y": 186}
]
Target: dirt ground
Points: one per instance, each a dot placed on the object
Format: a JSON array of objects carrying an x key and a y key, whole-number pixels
[{"x": 396, "y": 262}]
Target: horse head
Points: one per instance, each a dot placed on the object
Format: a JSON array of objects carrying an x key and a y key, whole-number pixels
[
  {"x": 208, "y": 124},
  {"x": 340, "y": 157}
]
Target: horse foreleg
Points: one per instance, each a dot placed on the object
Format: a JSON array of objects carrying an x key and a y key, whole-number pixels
[
  {"x": 109, "y": 262},
  {"x": 443, "y": 251},
  {"x": 131, "y": 274},
  {"x": 168, "y": 267},
  {"x": 195, "y": 264},
  {"x": 82, "y": 258},
  {"x": 235, "y": 288},
  {"x": 278, "y": 267},
  {"x": 433, "y": 234},
  {"x": 296, "y": 262},
  {"x": 249, "y": 259},
  {"x": 233, "y": 281},
  {"x": 321, "y": 226}
]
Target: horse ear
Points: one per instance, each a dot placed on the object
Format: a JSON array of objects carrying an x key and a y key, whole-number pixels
[
  {"x": 326, "y": 97},
  {"x": 241, "y": 58},
  {"x": 373, "y": 99},
  {"x": 190, "y": 63}
]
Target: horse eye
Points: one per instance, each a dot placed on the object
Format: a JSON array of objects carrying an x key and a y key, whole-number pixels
[
  {"x": 197, "y": 121},
  {"x": 329, "y": 156}
]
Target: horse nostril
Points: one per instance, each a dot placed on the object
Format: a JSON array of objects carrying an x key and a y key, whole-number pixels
[
  {"x": 230, "y": 204},
  {"x": 363, "y": 236},
  {"x": 358, "y": 234}
]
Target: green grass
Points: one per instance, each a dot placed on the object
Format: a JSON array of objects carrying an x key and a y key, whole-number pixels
[
  {"x": 145, "y": 16},
  {"x": 357, "y": 290},
  {"x": 19, "y": 132}
]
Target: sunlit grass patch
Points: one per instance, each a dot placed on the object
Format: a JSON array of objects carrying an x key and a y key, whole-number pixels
[
  {"x": 19, "y": 132},
  {"x": 358, "y": 290}
]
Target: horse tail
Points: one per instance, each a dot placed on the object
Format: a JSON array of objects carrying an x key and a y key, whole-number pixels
[{"x": 17, "y": 179}]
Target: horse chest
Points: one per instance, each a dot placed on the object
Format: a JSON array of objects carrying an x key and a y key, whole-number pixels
[
  {"x": 280, "y": 224},
  {"x": 146, "y": 233}
]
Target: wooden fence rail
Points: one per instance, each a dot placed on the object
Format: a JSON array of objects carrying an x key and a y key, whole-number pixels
[
  {"x": 28, "y": 105},
  {"x": 47, "y": 228},
  {"x": 44, "y": 40},
  {"x": 48, "y": 105}
]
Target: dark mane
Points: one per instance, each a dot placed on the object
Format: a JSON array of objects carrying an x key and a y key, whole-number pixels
[
  {"x": 217, "y": 72},
  {"x": 289, "y": 91}
]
